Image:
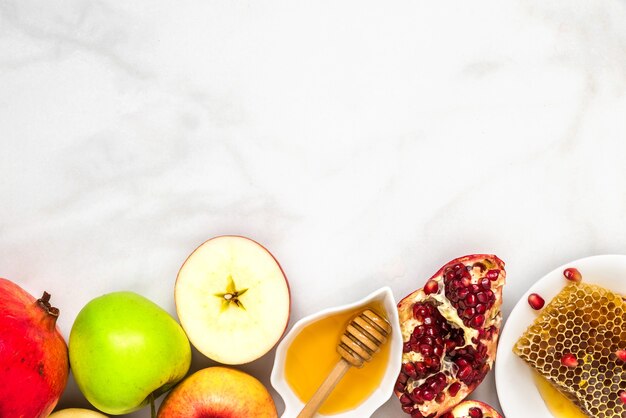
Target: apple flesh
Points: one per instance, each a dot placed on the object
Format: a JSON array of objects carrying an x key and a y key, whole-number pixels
[
  {"x": 232, "y": 299},
  {"x": 125, "y": 351},
  {"x": 218, "y": 392},
  {"x": 77, "y": 413}
]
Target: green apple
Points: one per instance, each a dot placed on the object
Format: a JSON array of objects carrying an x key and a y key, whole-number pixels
[
  {"x": 218, "y": 392},
  {"x": 76, "y": 413},
  {"x": 125, "y": 351}
]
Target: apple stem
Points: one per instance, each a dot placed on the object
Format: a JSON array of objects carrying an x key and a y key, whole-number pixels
[{"x": 152, "y": 408}]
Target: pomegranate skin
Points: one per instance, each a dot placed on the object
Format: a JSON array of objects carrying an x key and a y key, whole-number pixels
[{"x": 34, "y": 364}]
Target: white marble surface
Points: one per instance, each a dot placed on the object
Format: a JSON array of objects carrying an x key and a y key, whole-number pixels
[{"x": 363, "y": 143}]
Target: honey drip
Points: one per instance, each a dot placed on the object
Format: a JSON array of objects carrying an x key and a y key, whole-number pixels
[
  {"x": 312, "y": 355},
  {"x": 557, "y": 403}
]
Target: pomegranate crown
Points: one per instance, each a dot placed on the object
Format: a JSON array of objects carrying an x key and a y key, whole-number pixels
[{"x": 44, "y": 303}]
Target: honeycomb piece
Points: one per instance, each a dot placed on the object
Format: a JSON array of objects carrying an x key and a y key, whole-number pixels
[{"x": 589, "y": 322}]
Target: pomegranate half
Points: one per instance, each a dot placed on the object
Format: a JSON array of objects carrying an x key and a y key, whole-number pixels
[
  {"x": 34, "y": 362},
  {"x": 450, "y": 330},
  {"x": 472, "y": 409}
]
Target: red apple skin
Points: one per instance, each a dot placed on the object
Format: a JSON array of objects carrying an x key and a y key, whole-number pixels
[
  {"x": 218, "y": 392},
  {"x": 34, "y": 364}
]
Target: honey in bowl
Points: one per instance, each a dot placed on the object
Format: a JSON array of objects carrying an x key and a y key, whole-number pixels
[{"x": 312, "y": 355}]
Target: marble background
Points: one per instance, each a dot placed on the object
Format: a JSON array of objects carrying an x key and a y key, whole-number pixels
[{"x": 364, "y": 143}]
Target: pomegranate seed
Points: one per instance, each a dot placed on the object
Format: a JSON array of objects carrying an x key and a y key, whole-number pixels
[
  {"x": 409, "y": 370},
  {"x": 622, "y": 395},
  {"x": 621, "y": 354},
  {"x": 469, "y": 312},
  {"x": 416, "y": 396},
  {"x": 482, "y": 297},
  {"x": 477, "y": 321},
  {"x": 492, "y": 274},
  {"x": 428, "y": 395},
  {"x": 420, "y": 368},
  {"x": 426, "y": 349},
  {"x": 569, "y": 360},
  {"x": 475, "y": 412},
  {"x": 464, "y": 372},
  {"x": 454, "y": 389},
  {"x": 535, "y": 301},
  {"x": 572, "y": 274},
  {"x": 431, "y": 287},
  {"x": 405, "y": 400}
]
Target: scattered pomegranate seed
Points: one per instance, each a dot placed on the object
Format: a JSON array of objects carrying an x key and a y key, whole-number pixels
[
  {"x": 569, "y": 360},
  {"x": 431, "y": 287},
  {"x": 621, "y": 354},
  {"x": 572, "y": 274},
  {"x": 622, "y": 395},
  {"x": 535, "y": 301}
]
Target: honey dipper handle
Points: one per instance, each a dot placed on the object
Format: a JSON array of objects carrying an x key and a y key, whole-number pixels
[{"x": 324, "y": 390}]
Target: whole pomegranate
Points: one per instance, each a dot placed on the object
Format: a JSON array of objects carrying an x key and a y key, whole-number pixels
[
  {"x": 472, "y": 409},
  {"x": 450, "y": 330},
  {"x": 33, "y": 355}
]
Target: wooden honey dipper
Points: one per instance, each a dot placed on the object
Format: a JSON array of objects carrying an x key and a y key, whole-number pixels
[{"x": 362, "y": 339}]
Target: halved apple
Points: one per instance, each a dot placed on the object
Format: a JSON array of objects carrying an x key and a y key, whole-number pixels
[{"x": 232, "y": 299}]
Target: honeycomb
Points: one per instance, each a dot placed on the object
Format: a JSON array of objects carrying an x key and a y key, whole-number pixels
[{"x": 589, "y": 322}]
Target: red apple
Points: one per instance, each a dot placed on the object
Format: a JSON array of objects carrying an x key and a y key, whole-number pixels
[
  {"x": 34, "y": 364},
  {"x": 218, "y": 392},
  {"x": 232, "y": 299}
]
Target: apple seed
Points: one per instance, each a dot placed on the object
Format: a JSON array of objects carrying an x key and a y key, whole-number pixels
[{"x": 231, "y": 296}]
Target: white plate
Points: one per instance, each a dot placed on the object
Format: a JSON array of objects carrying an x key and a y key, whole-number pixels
[{"x": 516, "y": 389}]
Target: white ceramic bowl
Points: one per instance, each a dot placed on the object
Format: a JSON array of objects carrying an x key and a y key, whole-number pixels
[{"x": 293, "y": 404}]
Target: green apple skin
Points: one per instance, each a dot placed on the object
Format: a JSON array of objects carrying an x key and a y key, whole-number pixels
[{"x": 124, "y": 350}]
